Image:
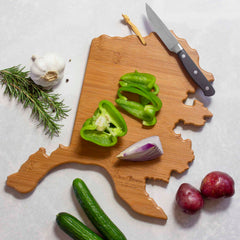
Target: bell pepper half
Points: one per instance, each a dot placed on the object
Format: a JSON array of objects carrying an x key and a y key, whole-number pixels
[
  {"x": 105, "y": 126},
  {"x": 145, "y": 112}
]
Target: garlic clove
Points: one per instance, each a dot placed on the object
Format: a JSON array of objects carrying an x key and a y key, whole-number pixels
[
  {"x": 41, "y": 65},
  {"x": 54, "y": 62},
  {"x": 35, "y": 72}
]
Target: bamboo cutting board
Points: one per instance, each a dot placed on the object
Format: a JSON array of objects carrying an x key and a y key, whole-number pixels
[{"x": 109, "y": 59}]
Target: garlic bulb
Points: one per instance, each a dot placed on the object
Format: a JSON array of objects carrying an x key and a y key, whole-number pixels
[{"x": 47, "y": 71}]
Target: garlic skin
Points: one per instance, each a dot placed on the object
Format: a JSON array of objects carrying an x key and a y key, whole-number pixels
[{"x": 47, "y": 71}]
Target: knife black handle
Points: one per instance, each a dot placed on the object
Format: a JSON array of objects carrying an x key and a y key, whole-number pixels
[{"x": 196, "y": 73}]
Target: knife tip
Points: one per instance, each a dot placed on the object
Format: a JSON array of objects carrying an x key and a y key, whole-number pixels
[{"x": 148, "y": 9}]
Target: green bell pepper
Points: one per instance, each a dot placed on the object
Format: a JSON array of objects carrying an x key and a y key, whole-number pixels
[
  {"x": 145, "y": 80},
  {"x": 145, "y": 112},
  {"x": 105, "y": 126}
]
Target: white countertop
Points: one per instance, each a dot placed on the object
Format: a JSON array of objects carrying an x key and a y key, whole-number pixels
[{"x": 67, "y": 28}]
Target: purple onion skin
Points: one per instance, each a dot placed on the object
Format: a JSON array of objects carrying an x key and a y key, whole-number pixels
[
  {"x": 217, "y": 184},
  {"x": 145, "y": 147},
  {"x": 189, "y": 198},
  {"x": 146, "y": 155}
]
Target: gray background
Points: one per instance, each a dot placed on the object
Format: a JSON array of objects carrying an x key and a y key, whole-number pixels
[{"x": 67, "y": 28}]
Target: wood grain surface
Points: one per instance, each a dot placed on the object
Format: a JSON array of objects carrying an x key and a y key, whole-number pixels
[{"x": 110, "y": 58}]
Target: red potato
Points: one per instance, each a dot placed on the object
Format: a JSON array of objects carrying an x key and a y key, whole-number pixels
[
  {"x": 189, "y": 198},
  {"x": 217, "y": 184}
]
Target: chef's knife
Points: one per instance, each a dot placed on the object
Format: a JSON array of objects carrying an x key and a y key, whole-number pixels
[{"x": 174, "y": 46}]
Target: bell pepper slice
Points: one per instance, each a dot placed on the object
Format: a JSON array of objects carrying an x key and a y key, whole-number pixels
[
  {"x": 145, "y": 80},
  {"x": 105, "y": 126},
  {"x": 147, "y": 112}
]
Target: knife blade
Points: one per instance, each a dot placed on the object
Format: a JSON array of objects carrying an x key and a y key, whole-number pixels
[{"x": 174, "y": 46}]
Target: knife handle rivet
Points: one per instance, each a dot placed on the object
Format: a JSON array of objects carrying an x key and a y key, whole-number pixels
[
  {"x": 183, "y": 55},
  {"x": 195, "y": 72},
  {"x": 207, "y": 88}
]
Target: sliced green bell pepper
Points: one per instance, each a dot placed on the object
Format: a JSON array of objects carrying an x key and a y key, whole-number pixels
[
  {"x": 105, "y": 126},
  {"x": 145, "y": 80},
  {"x": 147, "y": 112}
]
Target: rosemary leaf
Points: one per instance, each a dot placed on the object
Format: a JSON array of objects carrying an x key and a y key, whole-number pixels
[{"x": 46, "y": 106}]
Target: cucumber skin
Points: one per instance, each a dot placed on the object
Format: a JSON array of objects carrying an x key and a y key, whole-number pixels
[
  {"x": 74, "y": 228},
  {"x": 95, "y": 213}
]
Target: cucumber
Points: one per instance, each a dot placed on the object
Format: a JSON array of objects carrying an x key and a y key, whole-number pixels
[
  {"x": 74, "y": 228},
  {"x": 95, "y": 213}
]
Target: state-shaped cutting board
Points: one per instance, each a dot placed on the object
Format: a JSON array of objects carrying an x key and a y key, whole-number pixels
[{"x": 110, "y": 58}]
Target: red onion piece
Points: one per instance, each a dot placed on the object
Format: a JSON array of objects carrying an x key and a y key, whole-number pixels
[{"x": 144, "y": 150}]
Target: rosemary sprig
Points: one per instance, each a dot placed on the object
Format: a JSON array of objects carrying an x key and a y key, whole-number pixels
[{"x": 46, "y": 106}]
